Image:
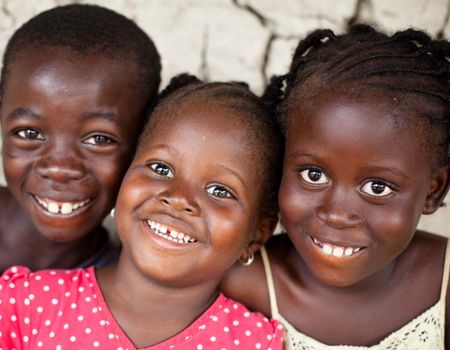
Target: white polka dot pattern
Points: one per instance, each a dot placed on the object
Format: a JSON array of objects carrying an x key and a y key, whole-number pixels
[{"x": 58, "y": 309}]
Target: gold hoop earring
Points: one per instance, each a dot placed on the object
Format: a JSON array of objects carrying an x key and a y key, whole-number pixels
[{"x": 249, "y": 260}]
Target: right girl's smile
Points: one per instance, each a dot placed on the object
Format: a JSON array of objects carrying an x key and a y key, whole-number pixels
[{"x": 349, "y": 186}]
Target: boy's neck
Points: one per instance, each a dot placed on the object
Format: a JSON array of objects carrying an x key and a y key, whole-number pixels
[{"x": 22, "y": 244}]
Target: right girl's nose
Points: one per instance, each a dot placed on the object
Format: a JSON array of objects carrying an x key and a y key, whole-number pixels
[
  {"x": 338, "y": 218},
  {"x": 338, "y": 210}
]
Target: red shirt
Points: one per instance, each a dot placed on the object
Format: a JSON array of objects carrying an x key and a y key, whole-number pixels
[{"x": 65, "y": 309}]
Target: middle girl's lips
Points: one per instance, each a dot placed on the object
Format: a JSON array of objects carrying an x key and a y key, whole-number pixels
[
  {"x": 335, "y": 250},
  {"x": 169, "y": 233}
]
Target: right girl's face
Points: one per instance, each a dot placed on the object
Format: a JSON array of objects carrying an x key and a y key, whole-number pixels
[
  {"x": 354, "y": 186},
  {"x": 69, "y": 125},
  {"x": 188, "y": 205}
]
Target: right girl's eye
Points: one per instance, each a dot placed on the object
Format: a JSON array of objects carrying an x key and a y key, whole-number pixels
[
  {"x": 314, "y": 176},
  {"x": 29, "y": 134},
  {"x": 162, "y": 169}
]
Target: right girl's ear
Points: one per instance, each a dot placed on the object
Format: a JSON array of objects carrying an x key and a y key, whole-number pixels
[{"x": 437, "y": 190}]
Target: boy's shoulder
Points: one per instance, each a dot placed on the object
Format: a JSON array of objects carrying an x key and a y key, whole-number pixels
[{"x": 10, "y": 207}]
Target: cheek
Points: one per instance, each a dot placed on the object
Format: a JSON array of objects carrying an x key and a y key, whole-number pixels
[
  {"x": 294, "y": 202},
  {"x": 109, "y": 171}
]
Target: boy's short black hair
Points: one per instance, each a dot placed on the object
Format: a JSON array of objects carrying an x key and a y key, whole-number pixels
[{"x": 89, "y": 29}]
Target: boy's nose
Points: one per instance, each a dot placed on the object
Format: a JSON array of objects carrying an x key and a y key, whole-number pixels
[{"x": 60, "y": 169}]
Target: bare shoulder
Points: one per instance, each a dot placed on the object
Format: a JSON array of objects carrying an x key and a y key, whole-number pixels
[
  {"x": 9, "y": 207},
  {"x": 248, "y": 284}
]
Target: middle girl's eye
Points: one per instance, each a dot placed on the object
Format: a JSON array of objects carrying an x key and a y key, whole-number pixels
[
  {"x": 162, "y": 169},
  {"x": 29, "y": 134},
  {"x": 314, "y": 176},
  {"x": 219, "y": 191},
  {"x": 377, "y": 189}
]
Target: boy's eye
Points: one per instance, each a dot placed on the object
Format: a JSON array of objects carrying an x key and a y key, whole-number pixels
[
  {"x": 219, "y": 191},
  {"x": 99, "y": 140},
  {"x": 162, "y": 169},
  {"x": 30, "y": 134},
  {"x": 314, "y": 176},
  {"x": 377, "y": 189}
]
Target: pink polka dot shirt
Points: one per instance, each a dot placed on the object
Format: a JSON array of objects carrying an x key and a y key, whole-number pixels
[{"x": 65, "y": 309}]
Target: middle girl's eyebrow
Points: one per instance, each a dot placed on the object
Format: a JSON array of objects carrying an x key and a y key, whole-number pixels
[{"x": 236, "y": 174}]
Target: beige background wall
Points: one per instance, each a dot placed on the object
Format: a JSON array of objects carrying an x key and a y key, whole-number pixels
[{"x": 249, "y": 39}]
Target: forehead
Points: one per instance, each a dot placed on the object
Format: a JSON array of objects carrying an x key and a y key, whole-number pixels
[
  {"x": 31, "y": 61},
  {"x": 369, "y": 124},
  {"x": 57, "y": 81},
  {"x": 213, "y": 125}
]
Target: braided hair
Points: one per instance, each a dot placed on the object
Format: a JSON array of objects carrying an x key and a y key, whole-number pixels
[
  {"x": 262, "y": 129},
  {"x": 408, "y": 65}
]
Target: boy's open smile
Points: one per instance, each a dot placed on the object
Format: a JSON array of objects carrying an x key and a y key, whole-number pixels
[
  {"x": 60, "y": 207},
  {"x": 66, "y": 146}
]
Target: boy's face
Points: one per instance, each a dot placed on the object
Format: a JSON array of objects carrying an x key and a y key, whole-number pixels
[
  {"x": 188, "y": 205},
  {"x": 69, "y": 125},
  {"x": 355, "y": 182}
]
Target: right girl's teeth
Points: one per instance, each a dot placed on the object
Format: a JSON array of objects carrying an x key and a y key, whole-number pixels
[{"x": 336, "y": 251}]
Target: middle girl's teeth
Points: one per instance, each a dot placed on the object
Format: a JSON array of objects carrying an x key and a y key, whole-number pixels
[
  {"x": 336, "y": 251},
  {"x": 63, "y": 208},
  {"x": 169, "y": 234}
]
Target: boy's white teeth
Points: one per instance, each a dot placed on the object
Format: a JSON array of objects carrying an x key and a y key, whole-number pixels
[
  {"x": 169, "y": 234},
  {"x": 63, "y": 208},
  {"x": 336, "y": 251}
]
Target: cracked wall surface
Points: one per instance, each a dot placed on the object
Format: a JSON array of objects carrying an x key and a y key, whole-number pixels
[{"x": 248, "y": 40}]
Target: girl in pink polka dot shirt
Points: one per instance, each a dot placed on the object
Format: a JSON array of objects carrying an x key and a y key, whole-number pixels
[{"x": 199, "y": 195}]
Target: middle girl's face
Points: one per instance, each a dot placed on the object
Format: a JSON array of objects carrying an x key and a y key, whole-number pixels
[
  {"x": 354, "y": 186},
  {"x": 188, "y": 205}
]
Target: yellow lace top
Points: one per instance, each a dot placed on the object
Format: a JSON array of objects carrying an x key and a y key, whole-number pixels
[{"x": 426, "y": 331}]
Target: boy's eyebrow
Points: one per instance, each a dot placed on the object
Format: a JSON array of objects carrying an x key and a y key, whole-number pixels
[
  {"x": 102, "y": 115},
  {"x": 22, "y": 112}
]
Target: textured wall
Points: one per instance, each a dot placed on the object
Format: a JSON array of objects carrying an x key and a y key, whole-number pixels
[{"x": 249, "y": 39}]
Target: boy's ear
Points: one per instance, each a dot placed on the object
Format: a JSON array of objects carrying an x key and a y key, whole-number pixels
[
  {"x": 437, "y": 190},
  {"x": 264, "y": 230}
]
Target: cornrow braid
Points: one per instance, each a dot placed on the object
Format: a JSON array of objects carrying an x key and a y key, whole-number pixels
[
  {"x": 408, "y": 64},
  {"x": 263, "y": 129}
]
